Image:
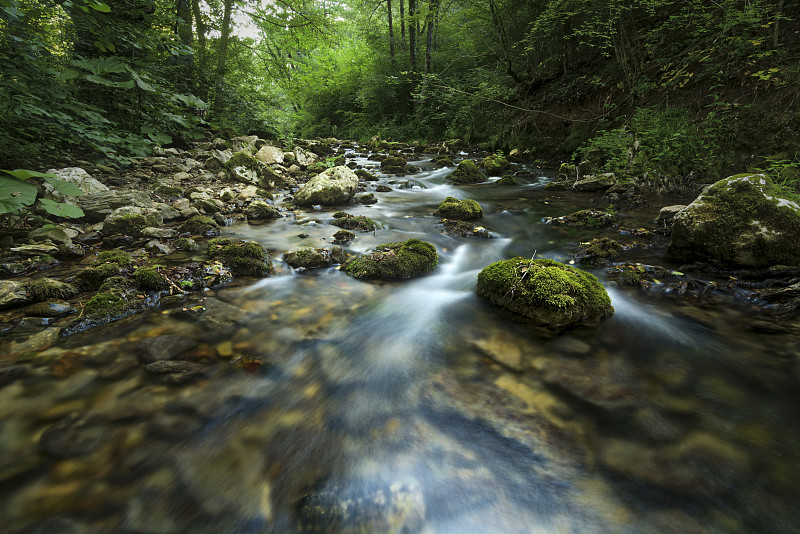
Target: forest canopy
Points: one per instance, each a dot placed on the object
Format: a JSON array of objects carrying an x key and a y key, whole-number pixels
[{"x": 693, "y": 86}]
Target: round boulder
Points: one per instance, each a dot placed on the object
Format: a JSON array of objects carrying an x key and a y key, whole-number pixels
[
  {"x": 467, "y": 172},
  {"x": 393, "y": 261},
  {"x": 546, "y": 291},
  {"x": 336, "y": 185},
  {"x": 740, "y": 221}
]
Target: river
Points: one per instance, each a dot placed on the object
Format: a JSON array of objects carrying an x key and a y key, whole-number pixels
[{"x": 334, "y": 405}]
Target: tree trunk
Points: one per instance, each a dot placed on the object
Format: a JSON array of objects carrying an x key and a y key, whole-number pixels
[
  {"x": 183, "y": 24},
  {"x": 222, "y": 54},
  {"x": 391, "y": 34},
  {"x": 200, "y": 26},
  {"x": 778, "y": 13},
  {"x": 412, "y": 38},
  {"x": 403, "y": 25},
  {"x": 501, "y": 33},
  {"x": 431, "y": 18}
]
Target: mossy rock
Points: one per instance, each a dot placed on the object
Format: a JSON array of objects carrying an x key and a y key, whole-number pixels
[
  {"x": 115, "y": 282},
  {"x": 366, "y": 175},
  {"x": 243, "y": 167},
  {"x": 507, "y": 180},
  {"x": 131, "y": 220},
  {"x": 599, "y": 250},
  {"x": 458, "y": 228},
  {"x": 464, "y": 210},
  {"x": 314, "y": 258},
  {"x": 368, "y": 198},
  {"x": 259, "y": 210},
  {"x": 467, "y": 172},
  {"x": 394, "y": 261},
  {"x": 200, "y": 225},
  {"x": 740, "y": 221},
  {"x": 147, "y": 278},
  {"x": 243, "y": 258},
  {"x": 118, "y": 257},
  {"x": 93, "y": 277},
  {"x": 110, "y": 305},
  {"x": 443, "y": 161},
  {"x": 547, "y": 292},
  {"x": 48, "y": 289},
  {"x": 636, "y": 274},
  {"x": 494, "y": 164},
  {"x": 352, "y": 222},
  {"x": 336, "y": 185},
  {"x": 585, "y": 219},
  {"x": 343, "y": 236},
  {"x": 394, "y": 165},
  {"x": 169, "y": 190},
  {"x": 185, "y": 243}
]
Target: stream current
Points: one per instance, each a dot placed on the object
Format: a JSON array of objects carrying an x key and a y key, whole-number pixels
[{"x": 334, "y": 405}]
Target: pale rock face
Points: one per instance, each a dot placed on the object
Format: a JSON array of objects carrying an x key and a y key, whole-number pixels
[
  {"x": 740, "y": 221},
  {"x": 336, "y": 185},
  {"x": 304, "y": 157},
  {"x": 77, "y": 176},
  {"x": 270, "y": 155},
  {"x": 132, "y": 220}
]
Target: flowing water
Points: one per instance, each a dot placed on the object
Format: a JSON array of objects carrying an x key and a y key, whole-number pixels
[{"x": 333, "y": 405}]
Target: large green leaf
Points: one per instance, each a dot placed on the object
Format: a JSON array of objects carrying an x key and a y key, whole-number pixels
[
  {"x": 61, "y": 209},
  {"x": 63, "y": 187},
  {"x": 15, "y": 194},
  {"x": 24, "y": 174}
]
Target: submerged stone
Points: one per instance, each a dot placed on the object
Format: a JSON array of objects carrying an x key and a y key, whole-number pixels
[
  {"x": 314, "y": 258},
  {"x": 393, "y": 261},
  {"x": 740, "y": 221},
  {"x": 545, "y": 291},
  {"x": 585, "y": 219}
]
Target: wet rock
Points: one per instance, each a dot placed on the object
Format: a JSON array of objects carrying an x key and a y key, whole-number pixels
[
  {"x": 270, "y": 155},
  {"x": 157, "y": 248},
  {"x": 241, "y": 257},
  {"x": 598, "y": 251},
  {"x": 464, "y": 210},
  {"x": 174, "y": 426},
  {"x": 392, "y": 261},
  {"x": 595, "y": 183},
  {"x": 545, "y": 291},
  {"x": 13, "y": 294},
  {"x": 314, "y": 258},
  {"x": 210, "y": 206},
  {"x": 35, "y": 322},
  {"x": 358, "y": 223},
  {"x": 368, "y": 198},
  {"x": 176, "y": 366},
  {"x": 165, "y": 347},
  {"x": 245, "y": 168},
  {"x": 50, "y": 309},
  {"x": 467, "y": 172},
  {"x": 88, "y": 238},
  {"x": 383, "y": 189},
  {"x": 12, "y": 373},
  {"x": 494, "y": 164},
  {"x": 258, "y": 210},
  {"x": 399, "y": 507},
  {"x": 505, "y": 349},
  {"x": 159, "y": 233},
  {"x": 98, "y": 206},
  {"x": 332, "y": 186},
  {"x": 700, "y": 466},
  {"x": 366, "y": 175},
  {"x": 740, "y": 221},
  {"x": 200, "y": 225},
  {"x": 654, "y": 426},
  {"x": 54, "y": 235},
  {"x": 464, "y": 229},
  {"x": 585, "y": 219},
  {"x": 131, "y": 220},
  {"x": 41, "y": 249},
  {"x": 667, "y": 214},
  {"x": 71, "y": 437},
  {"x": 343, "y": 236}
]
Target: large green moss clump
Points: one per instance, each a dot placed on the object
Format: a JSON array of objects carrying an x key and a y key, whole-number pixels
[
  {"x": 148, "y": 278},
  {"x": 47, "y": 288},
  {"x": 241, "y": 257},
  {"x": 358, "y": 223},
  {"x": 740, "y": 221},
  {"x": 494, "y": 164},
  {"x": 394, "y": 261},
  {"x": 467, "y": 172},
  {"x": 546, "y": 291},
  {"x": 200, "y": 225},
  {"x": 463, "y": 210}
]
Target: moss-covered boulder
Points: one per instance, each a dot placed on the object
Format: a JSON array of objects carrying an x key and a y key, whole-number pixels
[
  {"x": 343, "y": 236},
  {"x": 47, "y": 289},
  {"x": 366, "y": 175},
  {"x": 394, "y": 261},
  {"x": 494, "y": 165},
  {"x": 394, "y": 165},
  {"x": 244, "y": 168},
  {"x": 458, "y": 228},
  {"x": 94, "y": 276},
  {"x": 585, "y": 219},
  {"x": 185, "y": 243},
  {"x": 740, "y": 221},
  {"x": 467, "y": 172},
  {"x": 200, "y": 225},
  {"x": 600, "y": 250},
  {"x": 336, "y": 185},
  {"x": 131, "y": 220},
  {"x": 148, "y": 278},
  {"x": 358, "y": 223},
  {"x": 314, "y": 258},
  {"x": 463, "y": 210},
  {"x": 241, "y": 257},
  {"x": 547, "y": 292}
]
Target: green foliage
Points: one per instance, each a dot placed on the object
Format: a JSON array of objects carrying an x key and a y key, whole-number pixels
[{"x": 16, "y": 193}]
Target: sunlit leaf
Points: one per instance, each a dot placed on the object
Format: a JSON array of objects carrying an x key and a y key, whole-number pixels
[
  {"x": 15, "y": 194},
  {"x": 61, "y": 209},
  {"x": 64, "y": 187}
]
